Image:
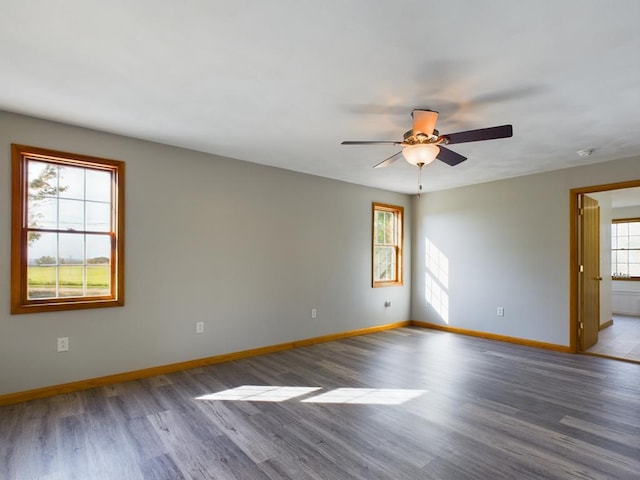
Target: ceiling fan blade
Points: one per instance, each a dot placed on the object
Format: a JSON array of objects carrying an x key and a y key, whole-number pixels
[
  {"x": 388, "y": 161},
  {"x": 449, "y": 156},
  {"x": 373, "y": 142},
  {"x": 491, "y": 133},
  {"x": 424, "y": 121}
]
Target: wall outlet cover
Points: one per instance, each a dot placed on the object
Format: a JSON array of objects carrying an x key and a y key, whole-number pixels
[{"x": 63, "y": 344}]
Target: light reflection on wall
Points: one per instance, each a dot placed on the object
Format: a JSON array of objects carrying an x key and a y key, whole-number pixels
[{"x": 436, "y": 283}]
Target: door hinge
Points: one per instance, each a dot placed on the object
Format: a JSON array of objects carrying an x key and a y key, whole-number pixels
[
  {"x": 581, "y": 268},
  {"x": 580, "y": 326},
  {"x": 580, "y": 211}
]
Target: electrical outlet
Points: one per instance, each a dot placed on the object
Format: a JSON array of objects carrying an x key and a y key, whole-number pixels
[
  {"x": 63, "y": 344},
  {"x": 314, "y": 313},
  {"x": 500, "y": 311},
  {"x": 199, "y": 327}
]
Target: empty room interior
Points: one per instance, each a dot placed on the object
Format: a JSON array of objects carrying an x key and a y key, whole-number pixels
[{"x": 354, "y": 240}]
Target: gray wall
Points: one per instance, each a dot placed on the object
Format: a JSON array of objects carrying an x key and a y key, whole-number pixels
[
  {"x": 507, "y": 244},
  {"x": 247, "y": 249}
]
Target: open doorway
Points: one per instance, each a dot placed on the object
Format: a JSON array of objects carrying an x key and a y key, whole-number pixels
[{"x": 605, "y": 298}]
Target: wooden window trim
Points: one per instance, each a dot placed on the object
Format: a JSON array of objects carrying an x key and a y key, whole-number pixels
[
  {"x": 625, "y": 220},
  {"x": 20, "y": 154},
  {"x": 399, "y": 211}
]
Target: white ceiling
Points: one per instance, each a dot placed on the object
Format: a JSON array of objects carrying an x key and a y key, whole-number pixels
[{"x": 284, "y": 82}]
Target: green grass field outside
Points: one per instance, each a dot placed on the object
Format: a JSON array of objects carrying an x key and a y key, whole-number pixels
[{"x": 69, "y": 275}]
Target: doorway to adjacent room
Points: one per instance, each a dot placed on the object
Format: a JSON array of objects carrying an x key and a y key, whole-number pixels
[{"x": 605, "y": 309}]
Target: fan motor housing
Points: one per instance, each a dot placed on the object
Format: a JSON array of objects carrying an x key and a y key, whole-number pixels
[{"x": 421, "y": 138}]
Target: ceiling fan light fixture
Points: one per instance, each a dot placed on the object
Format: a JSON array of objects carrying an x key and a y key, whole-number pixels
[{"x": 420, "y": 154}]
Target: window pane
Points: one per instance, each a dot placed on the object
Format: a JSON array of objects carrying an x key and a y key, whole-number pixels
[
  {"x": 384, "y": 263},
  {"x": 622, "y": 257},
  {"x": 98, "y": 249},
  {"x": 71, "y": 215},
  {"x": 42, "y": 213},
  {"x": 381, "y": 220},
  {"x": 623, "y": 242},
  {"x": 42, "y": 178},
  {"x": 71, "y": 280},
  {"x": 98, "y": 217},
  {"x": 98, "y": 280},
  {"x": 71, "y": 248},
  {"x": 41, "y": 282},
  {"x": 42, "y": 249},
  {"x": 623, "y": 228},
  {"x": 634, "y": 241},
  {"x": 634, "y": 269},
  {"x": 72, "y": 182},
  {"x": 98, "y": 186},
  {"x": 634, "y": 228},
  {"x": 389, "y": 228}
]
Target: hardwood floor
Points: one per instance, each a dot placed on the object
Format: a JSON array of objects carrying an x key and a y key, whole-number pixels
[
  {"x": 474, "y": 409},
  {"x": 621, "y": 340}
]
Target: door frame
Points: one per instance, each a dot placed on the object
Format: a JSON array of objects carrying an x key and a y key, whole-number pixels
[{"x": 574, "y": 252}]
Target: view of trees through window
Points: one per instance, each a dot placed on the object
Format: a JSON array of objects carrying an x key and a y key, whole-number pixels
[
  {"x": 69, "y": 218},
  {"x": 384, "y": 256},
  {"x": 387, "y": 244},
  {"x": 67, "y": 230}
]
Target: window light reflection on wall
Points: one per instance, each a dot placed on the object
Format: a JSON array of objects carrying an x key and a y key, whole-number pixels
[{"x": 436, "y": 280}]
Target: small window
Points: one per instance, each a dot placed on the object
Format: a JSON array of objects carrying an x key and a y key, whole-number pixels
[
  {"x": 387, "y": 245},
  {"x": 67, "y": 231},
  {"x": 625, "y": 249}
]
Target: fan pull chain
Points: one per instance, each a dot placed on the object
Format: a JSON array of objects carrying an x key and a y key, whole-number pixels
[{"x": 420, "y": 165}]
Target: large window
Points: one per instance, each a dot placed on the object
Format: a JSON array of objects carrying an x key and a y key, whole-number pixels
[
  {"x": 67, "y": 231},
  {"x": 625, "y": 249},
  {"x": 387, "y": 245}
]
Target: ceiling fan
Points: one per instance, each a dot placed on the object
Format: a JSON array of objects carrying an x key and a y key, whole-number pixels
[{"x": 423, "y": 143}]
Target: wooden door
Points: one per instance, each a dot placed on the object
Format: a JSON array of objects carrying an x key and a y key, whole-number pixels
[{"x": 590, "y": 272}]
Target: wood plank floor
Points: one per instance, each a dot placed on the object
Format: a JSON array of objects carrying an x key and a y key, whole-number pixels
[{"x": 473, "y": 409}]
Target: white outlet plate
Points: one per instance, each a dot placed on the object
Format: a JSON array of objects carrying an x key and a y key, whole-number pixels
[
  {"x": 500, "y": 311},
  {"x": 63, "y": 344},
  {"x": 199, "y": 327},
  {"x": 314, "y": 313}
]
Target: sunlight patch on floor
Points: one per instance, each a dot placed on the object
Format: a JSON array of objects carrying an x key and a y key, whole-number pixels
[
  {"x": 267, "y": 393},
  {"x": 372, "y": 396},
  {"x": 259, "y": 393}
]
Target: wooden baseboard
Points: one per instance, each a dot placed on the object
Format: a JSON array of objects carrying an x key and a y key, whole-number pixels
[
  {"x": 49, "y": 391},
  {"x": 493, "y": 336},
  {"x": 606, "y": 324}
]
